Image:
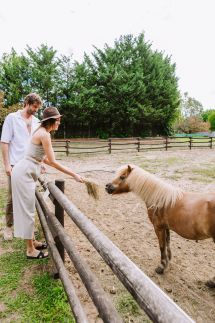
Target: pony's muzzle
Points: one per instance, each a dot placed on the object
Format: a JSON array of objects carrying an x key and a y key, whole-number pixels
[{"x": 109, "y": 188}]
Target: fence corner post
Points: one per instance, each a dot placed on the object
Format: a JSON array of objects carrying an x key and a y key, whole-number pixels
[{"x": 59, "y": 213}]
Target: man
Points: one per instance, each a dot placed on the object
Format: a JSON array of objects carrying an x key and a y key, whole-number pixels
[{"x": 16, "y": 133}]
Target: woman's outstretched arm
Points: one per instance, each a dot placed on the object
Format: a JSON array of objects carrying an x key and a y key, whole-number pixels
[{"x": 51, "y": 161}]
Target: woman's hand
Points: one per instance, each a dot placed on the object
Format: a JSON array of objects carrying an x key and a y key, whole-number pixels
[{"x": 78, "y": 178}]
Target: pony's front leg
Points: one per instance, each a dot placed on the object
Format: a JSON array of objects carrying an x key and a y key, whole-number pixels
[
  {"x": 210, "y": 283},
  {"x": 162, "y": 238},
  {"x": 169, "y": 253}
]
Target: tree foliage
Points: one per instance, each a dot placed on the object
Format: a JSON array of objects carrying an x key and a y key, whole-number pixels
[
  {"x": 190, "y": 106},
  {"x": 192, "y": 124},
  {"x": 206, "y": 113},
  {"x": 4, "y": 110},
  {"x": 191, "y": 117},
  {"x": 43, "y": 68},
  {"x": 14, "y": 77},
  {"x": 211, "y": 119},
  {"x": 124, "y": 90}
]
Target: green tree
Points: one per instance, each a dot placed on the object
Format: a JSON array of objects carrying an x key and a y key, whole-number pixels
[
  {"x": 190, "y": 106},
  {"x": 206, "y": 113},
  {"x": 126, "y": 89},
  {"x": 65, "y": 88},
  {"x": 43, "y": 70},
  {"x": 191, "y": 124},
  {"x": 5, "y": 110},
  {"x": 14, "y": 77},
  {"x": 211, "y": 119}
]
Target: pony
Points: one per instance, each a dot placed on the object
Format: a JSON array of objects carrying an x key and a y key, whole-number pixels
[{"x": 189, "y": 214}]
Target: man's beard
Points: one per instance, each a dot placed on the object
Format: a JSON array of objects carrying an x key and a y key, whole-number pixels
[{"x": 30, "y": 112}]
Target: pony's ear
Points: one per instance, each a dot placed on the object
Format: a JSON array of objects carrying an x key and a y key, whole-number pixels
[{"x": 130, "y": 169}]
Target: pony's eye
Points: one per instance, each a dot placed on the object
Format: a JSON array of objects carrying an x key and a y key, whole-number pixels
[{"x": 122, "y": 177}]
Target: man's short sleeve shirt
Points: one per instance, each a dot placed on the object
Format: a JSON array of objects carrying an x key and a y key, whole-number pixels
[{"x": 15, "y": 133}]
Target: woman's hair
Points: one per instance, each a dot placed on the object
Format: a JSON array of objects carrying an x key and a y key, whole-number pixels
[{"x": 48, "y": 123}]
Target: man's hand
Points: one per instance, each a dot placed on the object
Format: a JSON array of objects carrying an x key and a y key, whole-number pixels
[
  {"x": 43, "y": 169},
  {"x": 6, "y": 159},
  {"x": 8, "y": 170}
]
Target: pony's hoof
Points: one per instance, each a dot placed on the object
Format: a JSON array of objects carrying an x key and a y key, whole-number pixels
[
  {"x": 210, "y": 283},
  {"x": 159, "y": 270}
]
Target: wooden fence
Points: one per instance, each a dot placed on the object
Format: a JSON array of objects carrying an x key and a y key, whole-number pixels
[
  {"x": 156, "y": 304},
  {"x": 111, "y": 145}
]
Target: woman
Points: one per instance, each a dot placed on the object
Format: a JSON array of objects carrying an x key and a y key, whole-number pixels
[{"x": 24, "y": 176}]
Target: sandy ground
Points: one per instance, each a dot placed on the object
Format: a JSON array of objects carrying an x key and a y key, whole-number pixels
[{"x": 123, "y": 219}]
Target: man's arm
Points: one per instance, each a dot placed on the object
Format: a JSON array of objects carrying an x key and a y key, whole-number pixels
[
  {"x": 6, "y": 136},
  {"x": 5, "y": 154}
]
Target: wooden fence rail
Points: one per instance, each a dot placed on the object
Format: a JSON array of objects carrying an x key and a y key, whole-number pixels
[
  {"x": 73, "y": 299},
  {"x": 71, "y": 147},
  {"x": 157, "y": 305},
  {"x": 103, "y": 303}
]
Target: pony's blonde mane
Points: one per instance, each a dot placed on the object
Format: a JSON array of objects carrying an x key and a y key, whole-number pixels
[{"x": 154, "y": 191}]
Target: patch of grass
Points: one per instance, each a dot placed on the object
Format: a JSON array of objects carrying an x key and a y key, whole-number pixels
[
  {"x": 15, "y": 244},
  {"x": 174, "y": 177},
  {"x": 201, "y": 179},
  {"x": 203, "y": 175},
  {"x": 173, "y": 160},
  {"x": 35, "y": 298},
  {"x": 206, "y": 172},
  {"x": 127, "y": 305},
  {"x": 151, "y": 167},
  {"x": 11, "y": 269},
  {"x": 47, "y": 304},
  {"x": 27, "y": 294},
  {"x": 3, "y": 194}
]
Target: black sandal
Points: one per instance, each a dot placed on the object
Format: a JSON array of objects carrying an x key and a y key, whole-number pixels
[
  {"x": 43, "y": 246},
  {"x": 40, "y": 255}
]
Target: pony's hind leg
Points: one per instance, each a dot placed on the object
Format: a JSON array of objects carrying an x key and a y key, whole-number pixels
[
  {"x": 162, "y": 238},
  {"x": 211, "y": 282},
  {"x": 169, "y": 253}
]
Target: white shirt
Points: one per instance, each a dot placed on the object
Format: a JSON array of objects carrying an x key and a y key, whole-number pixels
[{"x": 16, "y": 134}]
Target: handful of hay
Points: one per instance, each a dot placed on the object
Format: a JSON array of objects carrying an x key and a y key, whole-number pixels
[{"x": 92, "y": 189}]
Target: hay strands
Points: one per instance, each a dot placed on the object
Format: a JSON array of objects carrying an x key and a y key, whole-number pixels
[{"x": 92, "y": 188}]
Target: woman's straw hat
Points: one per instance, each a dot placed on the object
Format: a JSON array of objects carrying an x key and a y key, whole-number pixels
[{"x": 50, "y": 113}]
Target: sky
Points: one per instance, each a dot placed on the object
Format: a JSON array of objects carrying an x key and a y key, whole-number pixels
[{"x": 182, "y": 29}]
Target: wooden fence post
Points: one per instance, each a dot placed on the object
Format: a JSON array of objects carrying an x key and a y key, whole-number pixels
[
  {"x": 67, "y": 148},
  {"x": 166, "y": 143},
  {"x": 138, "y": 144},
  {"x": 109, "y": 145},
  {"x": 211, "y": 143},
  {"x": 59, "y": 213},
  {"x": 190, "y": 142}
]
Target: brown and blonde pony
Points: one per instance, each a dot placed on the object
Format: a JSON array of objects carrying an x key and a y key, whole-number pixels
[{"x": 191, "y": 215}]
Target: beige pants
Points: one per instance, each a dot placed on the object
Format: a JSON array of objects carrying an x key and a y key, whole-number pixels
[{"x": 24, "y": 177}]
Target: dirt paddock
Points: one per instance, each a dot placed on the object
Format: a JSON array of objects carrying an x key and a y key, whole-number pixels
[{"x": 123, "y": 219}]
